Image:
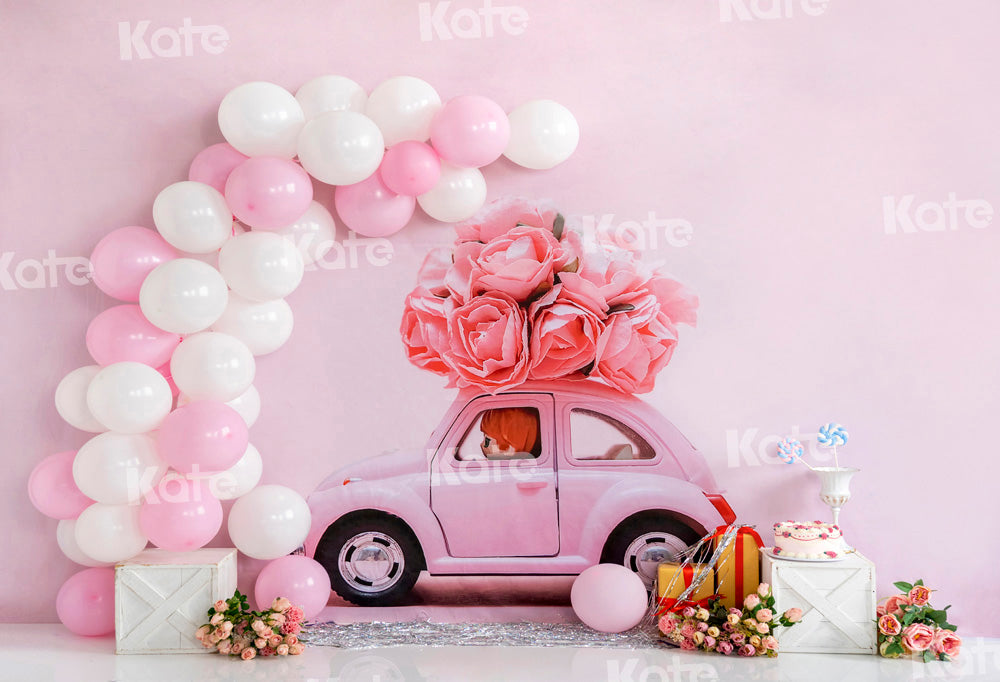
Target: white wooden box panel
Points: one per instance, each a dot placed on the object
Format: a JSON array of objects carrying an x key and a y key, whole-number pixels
[
  {"x": 837, "y": 599},
  {"x": 162, "y": 597}
]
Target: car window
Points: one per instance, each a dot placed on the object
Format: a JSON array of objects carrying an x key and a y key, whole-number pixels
[
  {"x": 596, "y": 436},
  {"x": 501, "y": 434}
]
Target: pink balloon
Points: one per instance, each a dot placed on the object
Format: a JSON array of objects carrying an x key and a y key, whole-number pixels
[
  {"x": 268, "y": 193},
  {"x": 470, "y": 131},
  {"x": 609, "y": 598},
  {"x": 182, "y": 516},
  {"x": 165, "y": 371},
  {"x": 301, "y": 580},
  {"x": 372, "y": 209},
  {"x": 410, "y": 168},
  {"x": 86, "y": 602},
  {"x": 121, "y": 261},
  {"x": 123, "y": 333},
  {"x": 205, "y": 434},
  {"x": 212, "y": 165},
  {"x": 52, "y": 489}
]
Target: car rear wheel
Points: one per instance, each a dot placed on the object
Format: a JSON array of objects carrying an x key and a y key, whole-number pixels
[
  {"x": 643, "y": 542},
  {"x": 372, "y": 559}
]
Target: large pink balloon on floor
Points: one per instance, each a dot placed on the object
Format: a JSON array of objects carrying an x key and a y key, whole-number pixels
[
  {"x": 268, "y": 193},
  {"x": 303, "y": 581},
  {"x": 410, "y": 168},
  {"x": 470, "y": 131},
  {"x": 372, "y": 209},
  {"x": 609, "y": 598},
  {"x": 52, "y": 489},
  {"x": 121, "y": 261},
  {"x": 123, "y": 333},
  {"x": 182, "y": 516},
  {"x": 205, "y": 435},
  {"x": 213, "y": 165},
  {"x": 86, "y": 602}
]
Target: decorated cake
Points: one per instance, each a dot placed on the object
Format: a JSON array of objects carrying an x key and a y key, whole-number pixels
[{"x": 808, "y": 540}]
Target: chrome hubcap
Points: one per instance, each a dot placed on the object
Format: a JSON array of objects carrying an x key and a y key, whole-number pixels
[
  {"x": 371, "y": 562},
  {"x": 647, "y": 552}
]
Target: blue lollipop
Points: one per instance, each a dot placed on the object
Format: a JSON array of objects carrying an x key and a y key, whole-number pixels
[{"x": 832, "y": 435}]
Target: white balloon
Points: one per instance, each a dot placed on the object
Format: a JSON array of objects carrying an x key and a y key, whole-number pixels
[
  {"x": 118, "y": 468},
  {"x": 247, "y": 404},
  {"x": 183, "y": 296},
  {"x": 109, "y": 532},
  {"x": 331, "y": 93},
  {"x": 212, "y": 366},
  {"x": 66, "y": 538},
  {"x": 543, "y": 134},
  {"x": 403, "y": 108},
  {"x": 71, "y": 399},
  {"x": 457, "y": 195},
  {"x": 263, "y": 327},
  {"x": 261, "y": 119},
  {"x": 269, "y": 522},
  {"x": 238, "y": 479},
  {"x": 193, "y": 217},
  {"x": 261, "y": 266},
  {"x": 341, "y": 147},
  {"x": 129, "y": 397},
  {"x": 313, "y": 234}
]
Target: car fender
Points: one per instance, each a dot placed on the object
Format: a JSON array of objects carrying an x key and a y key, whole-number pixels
[{"x": 652, "y": 493}]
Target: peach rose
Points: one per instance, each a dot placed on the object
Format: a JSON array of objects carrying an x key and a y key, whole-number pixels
[
  {"x": 893, "y": 604},
  {"x": 424, "y": 329},
  {"x": 763, "y": 590},
  {"x": 291, "y": 639},
  {"x": 793, "y": 615},
  {"x": 296, "y": 649},
  {"x": 713, "y": 631},
  {"x": 248, "y": 653},
  {"x": 274, "y": 641},
  {"x": 888, "y": 625},
  {"x": 763, "y": 628},
  {"x": 946, "y": 642},
  {"x": 236, "y": 648},
  {"x": 563, "y": 335},
  {"x": 281, "y": 650},
  {"x": 770, "y": 643},
  {"x": 702, "y": 614},
  {"x": 918, "y": 637},
  {"x": 488, "y": 343},
  {"x": 216, "y": 619},
  {"x": 280, "y": 604},
  {"x": 764, "y": 615},
  {"x": 919, "y": 595},
  {"x": 220, "y": 605},
  {"x": 733, "y": 619},
  {"x": 751, "y": 601},
  {"x": 224, "y": 647},
  {"x": 260, "y": 642}
]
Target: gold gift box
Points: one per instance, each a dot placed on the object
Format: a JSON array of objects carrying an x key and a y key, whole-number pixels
[
  {"x": 738, "y": 569},
  {"x": 685, "y": 576}
]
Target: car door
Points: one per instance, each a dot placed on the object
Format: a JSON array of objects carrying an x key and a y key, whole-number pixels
[{"x": 498, "y": 505}]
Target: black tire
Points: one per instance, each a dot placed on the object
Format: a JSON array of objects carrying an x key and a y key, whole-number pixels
[
  {"x": 396, "y": 553},
  {"x": 664, "y": 535}
]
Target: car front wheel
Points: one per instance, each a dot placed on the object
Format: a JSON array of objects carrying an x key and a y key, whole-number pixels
[{"x": 643, "y": 542}]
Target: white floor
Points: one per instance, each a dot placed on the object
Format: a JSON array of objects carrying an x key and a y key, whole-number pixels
[{"x": 37, "y": 653}]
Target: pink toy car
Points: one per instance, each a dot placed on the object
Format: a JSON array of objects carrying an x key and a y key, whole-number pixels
[{"x": 548, "y": 478}]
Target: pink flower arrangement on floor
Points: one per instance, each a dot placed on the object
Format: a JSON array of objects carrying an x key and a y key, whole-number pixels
[
  {"x": 235, "y": 630},
  {"x": 909, "y": 626},
  {"x": 748, "y": 631},
  {"x": 519, "y": 297}
]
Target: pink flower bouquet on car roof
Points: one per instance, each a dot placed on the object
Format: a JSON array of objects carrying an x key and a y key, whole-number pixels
[{"x": 518, "y": 297}]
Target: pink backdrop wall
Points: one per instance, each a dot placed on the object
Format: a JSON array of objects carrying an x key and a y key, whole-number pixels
[{"x": 779, "y": 140}]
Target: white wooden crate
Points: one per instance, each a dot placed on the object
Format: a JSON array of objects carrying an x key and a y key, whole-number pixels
[
  {"x": 161, "y": 598},
  {"x": 837, "y": 599}
]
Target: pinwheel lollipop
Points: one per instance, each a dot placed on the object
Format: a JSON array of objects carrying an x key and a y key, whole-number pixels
[
  {"x": 830, "y": 436},
  {"x": 790, "y": 450}
]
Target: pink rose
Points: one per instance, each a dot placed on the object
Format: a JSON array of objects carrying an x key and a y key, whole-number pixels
[
  {"x": 291, "y": 639},
  {"x": 737, "y": 638},
  {"x": 688, "y": 612},
  {"x": 433, "y": 271},
  {"x": 770, "y": 643},
  {"x": 220, "y": 605},
  {"x": 736, "y": 612},
  {"x": 763, "y": 590},
  {"x": 918, "y": 637},
  {"x": 236, "y": 648},
  {"x": 888, "y": 625},
  {"x": 248, "y": 653},
  {"x": 709, "y": 641},
  {"x": 499, "y": 216},
  {"x": 258, "y": 626},
  {"x": 946, "y": 642},
  {"x": 793, "y": 615},
  {"x": 919, "y": 595},
  {"x": 280, "y": 604},
  {"x": 687, "y": 630},
  {"x": 880, "y": 610},
  {"x": 751, "y": 601},
  {"x": 895, "y": 603},
  {"x": 296, "y": 649},
  {"x": 629, "y": 356},
  {"x": 688, "y": 644},
  {"x": 424, "y": 329},
  {"x": 702, "y": 627},
  {"x": 274, "y": 641},
  {"x": 764, "y": 615},
  {"x": 724, "y": 647},
  {"x": 224, "y": 647},
  {"x": 281, "y": 649},
  {"x": 202, "y": 632},
  {"x": 294, "y": 614},
  {"x": 488, "y": 343},
  {"x": 748, "y": 650},
  {"x": 762, "y": 628},
  {"x": 216, "y": 619},
  {"x": 563, "y": 335},
  {"x": 260, "y": 642}
]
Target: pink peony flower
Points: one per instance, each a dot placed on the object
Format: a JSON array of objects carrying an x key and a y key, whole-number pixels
[
  {"x": 267, "y": 651},
  {"x": 770, "y": 643},
  {"x": 687, "y": 630},
  {"x": 290, "y": 628},
  {"x": 665, "y": 624},
  {"x": 248, "y": 653},
  {"x": 488, "y": 343},
  {"x": 946, "y": 642},
  {"x": 294, "y": 614},
  {"x": 424, "y": 329},
  {"x": 888, "y": 625},
  {"x": 688, "y": 612},
  {"x": 688, "y": 644},
  {"x": 497, "y": 217},
  {"x": 880, "y": 610},
  {"x": 764, "y": 615},
  {"x": 748, "y": 650},
  {"x": 919, "y": 595},
  {"x": 894, "y": 604},
  {"x": 793, "y": 615},
  {"x": 629, "y": 356},
  {"x": 563, "y": 335},
  {"x": 918, "y": 637},
  {"x": 763, "y": 590},
  {"x": 281, "y": 650},
  {"x": 751, "y": 601},
  {"x": 724, "y": 647}
]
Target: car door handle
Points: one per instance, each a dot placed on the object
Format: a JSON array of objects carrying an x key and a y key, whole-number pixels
[{"x": 531, "y": 485}]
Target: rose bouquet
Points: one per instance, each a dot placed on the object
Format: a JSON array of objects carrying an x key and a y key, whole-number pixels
[
  {"x": 748, "y": 631},
  {"x": 234, "y": 629},
  {"x": 520, "y": 296},
  {"x": 909, "y": 626}
]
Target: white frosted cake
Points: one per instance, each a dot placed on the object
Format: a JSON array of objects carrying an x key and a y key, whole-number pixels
[{"x": 808, "y": 540}]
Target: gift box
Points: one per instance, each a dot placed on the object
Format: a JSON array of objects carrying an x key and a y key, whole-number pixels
[
  {"x": 737, "y": 572},
  {"x": 669, "y": 587}
]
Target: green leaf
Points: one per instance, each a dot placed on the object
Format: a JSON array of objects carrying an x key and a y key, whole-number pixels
[
  {"x": 949, "y": 626},
  {"x": 909, "y": 618},
  {"x": 938, "y": 617},
  {"x": 928, "y": 656},
  {"x": 557, "y": 226},
  {"x": 894, "y": 648},
  {"x": 903, "y": 587},
  {"x": 919, "y": 582}
]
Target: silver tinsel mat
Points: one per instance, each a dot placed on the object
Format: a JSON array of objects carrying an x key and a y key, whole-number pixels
[{"x": 378, "y": 635}]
